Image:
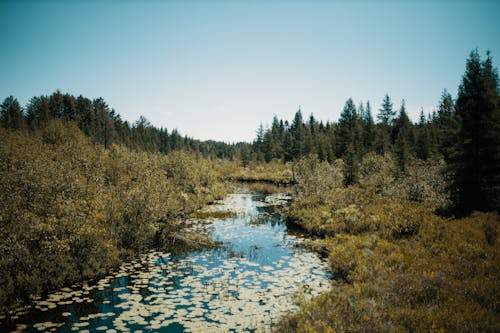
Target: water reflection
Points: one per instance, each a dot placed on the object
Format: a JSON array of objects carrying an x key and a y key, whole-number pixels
[{"x": 245, "y": 286}]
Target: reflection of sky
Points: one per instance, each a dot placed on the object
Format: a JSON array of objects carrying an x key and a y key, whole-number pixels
[{"x": 246, "y": 283}]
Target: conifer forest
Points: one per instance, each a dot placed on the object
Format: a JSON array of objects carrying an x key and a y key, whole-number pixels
[{"x": 403, "y": 214}]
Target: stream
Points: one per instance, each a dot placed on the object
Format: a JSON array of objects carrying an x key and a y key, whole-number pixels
[{"x": 245, "y": 286}]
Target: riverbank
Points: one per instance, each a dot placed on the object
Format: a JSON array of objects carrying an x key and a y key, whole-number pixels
[
  {"x": 72, "y": 210},
  {"x": 397, "y": 265},
  {"x": 249, "y": 283}
]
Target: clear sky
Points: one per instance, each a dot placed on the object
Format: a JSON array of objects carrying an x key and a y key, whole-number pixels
[{"x": 217, "y": 69}]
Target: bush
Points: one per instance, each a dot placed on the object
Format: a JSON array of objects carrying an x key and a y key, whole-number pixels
[
  {"x": 397, "y": 265},
  {"x": 70, "y": 208}
]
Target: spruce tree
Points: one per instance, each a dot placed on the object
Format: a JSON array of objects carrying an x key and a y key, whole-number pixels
[
  {"x": 448, "y": 125},
  {"x": 383, "y": 130},
  {"x": 368, "y": 128},
  {"x": 476, "y": 155},
  {"x": 349, "y": 141},
  {"x": 297, "y": 130},
  {"x": 386, "y": 113},
  {"x": 402, "y": 132},
  {"x": 422, "y": 148}
]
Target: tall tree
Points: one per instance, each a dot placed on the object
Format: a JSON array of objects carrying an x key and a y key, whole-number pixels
[
  {"x": 386, "y": 113},
  {"x": 402, "y": 133},
  {"x": 383, "y": 132},
  {"x": 298, "y": 131},
  {"x": 448, "y": 125},
  {"x": 476, "y": 161},
  {"x": 349, "y": 139},
  {"x": 422, "y": 148},
  {"x": 368, "y": 127},
  {"x": 11, "y": 114},
  {"x": 38, "y": 113}
]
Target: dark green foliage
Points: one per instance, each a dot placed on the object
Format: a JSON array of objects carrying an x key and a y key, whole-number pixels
[
  {"x": 422, "y": 147},
  {"x": 349, "y": 141},
  {"x": 383, "y": 134},
  {"x": 11, "y": 114},
  {"x": 368, "y": 126},
  {"x": 101, "y": 123},
  {"x": 448, "y": 125},
  {"x": 476, "y": 154},
  {"x": 403, "y": 132},
  {"x": 386, "y": 113}
]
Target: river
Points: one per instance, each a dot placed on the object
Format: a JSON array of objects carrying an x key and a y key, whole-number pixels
[{"x": 244, "y": 286}]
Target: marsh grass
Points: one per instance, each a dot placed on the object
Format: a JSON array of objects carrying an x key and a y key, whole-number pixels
[{"x": 397, "y": 265}]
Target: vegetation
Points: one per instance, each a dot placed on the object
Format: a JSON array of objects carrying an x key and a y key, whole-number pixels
[
  {"x": 105, "y": 126},
  {"x": 72, "y": 209},
  {"x": 408, "y": 214},
  {"x": 465, "y": 134},
  {"x": 397, "y": 264},
  {"x": 476, "y": 155}
]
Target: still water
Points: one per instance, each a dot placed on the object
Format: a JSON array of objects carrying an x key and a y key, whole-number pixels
[{"x": 245, "y": 286}]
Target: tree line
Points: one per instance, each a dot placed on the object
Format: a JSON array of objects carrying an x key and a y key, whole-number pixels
[
  {"x": 104, "y": 125},
  {"x": 464, "y": 131}
]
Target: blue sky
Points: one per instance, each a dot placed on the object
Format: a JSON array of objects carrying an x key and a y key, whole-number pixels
[{"x": 217, "y": 69}]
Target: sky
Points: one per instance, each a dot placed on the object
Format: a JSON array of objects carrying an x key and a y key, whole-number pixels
[{"x": 218, "y": 69}]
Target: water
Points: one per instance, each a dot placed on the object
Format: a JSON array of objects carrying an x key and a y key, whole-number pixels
[{"x": 243, "y": 287}]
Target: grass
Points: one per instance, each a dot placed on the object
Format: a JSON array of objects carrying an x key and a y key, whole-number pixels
[{"x": 397, "y": 265}]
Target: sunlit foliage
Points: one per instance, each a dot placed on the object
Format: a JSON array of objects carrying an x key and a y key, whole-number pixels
[
  {"x": 71, "y": 209},
  {"x": 397, "y": 265}
]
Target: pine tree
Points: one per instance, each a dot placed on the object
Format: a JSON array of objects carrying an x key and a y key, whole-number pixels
[
  {"x": 11, "y": 114},
  {"x": 476, "y": 156}
]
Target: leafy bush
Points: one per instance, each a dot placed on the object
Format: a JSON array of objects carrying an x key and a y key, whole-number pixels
[{"x": 70, "y": 208}]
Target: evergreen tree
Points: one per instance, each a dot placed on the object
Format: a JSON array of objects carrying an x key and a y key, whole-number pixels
[
  {"x": 346, "y": 127},
  {"x": 368, "y": 127},
  {"x": 297, "y": 130},
  {"x": 259, "y": 148},
  {"x": 402, "y": 132},
  {"x": 448, "y": 125},
  {"x": 104, "y": 132},
  {"x": 11, "y": 114},
  {"x": 422, "y": 148},
  {"x": 386, "y": 113},
  {"x": 446, "y": 107},
  {"x": 56, "y": 103},
  {"x": 385, "y": 116},
  {"x": 349, "y": 138},
  {"x": 476, "y": 156},
  {"x": 38, "y": 113}
]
